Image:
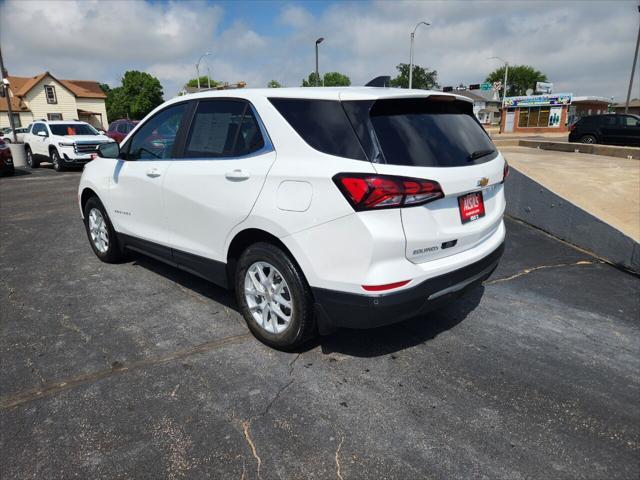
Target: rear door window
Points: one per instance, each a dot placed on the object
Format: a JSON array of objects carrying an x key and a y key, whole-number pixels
[{"x": 421, "y": 132}]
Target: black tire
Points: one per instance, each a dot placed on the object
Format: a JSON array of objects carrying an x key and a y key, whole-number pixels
[
  {"x": 31, "y": 159},
  {"x": 302, "y": 325},
  {"x": 113, "y": 253},
  {"x": 58, "y": 164},
  {"x": 588, "y": 139}
]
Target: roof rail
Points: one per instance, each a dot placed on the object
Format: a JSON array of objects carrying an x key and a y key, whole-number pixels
[{"x": 381, "y": 81}]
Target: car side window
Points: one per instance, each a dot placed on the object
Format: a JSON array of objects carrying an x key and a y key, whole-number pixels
[
  {"x": 122, "y": 128},
  {"x": 155, "y": 139},
  {"x": 631, "y": 122},
  {"x": 223, "y": 128}
]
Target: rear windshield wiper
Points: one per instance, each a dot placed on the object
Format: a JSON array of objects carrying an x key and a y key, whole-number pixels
[{"x": 478, "y": 154}]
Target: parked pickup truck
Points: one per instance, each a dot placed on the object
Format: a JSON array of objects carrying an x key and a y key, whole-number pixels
[{"x": 63, "y": 143}]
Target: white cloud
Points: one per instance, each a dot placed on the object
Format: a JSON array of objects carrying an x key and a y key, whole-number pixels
[
  {"x": 585, "y": 48},
  {"x": 295, "y": 16}
]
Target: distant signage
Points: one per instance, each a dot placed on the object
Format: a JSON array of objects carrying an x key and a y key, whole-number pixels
[
  {"x": 555, "y": 115},
  {"x": 474, "y": 86},
  {"x": 539, "y": 100},
  {"x": 544, "y": 87},
  {"x": 486, "y": 86}
]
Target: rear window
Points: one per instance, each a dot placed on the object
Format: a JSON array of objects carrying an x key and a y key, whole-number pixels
[
  {"x": 323, "y": 124},
  {"x": 421, "y": 132}
]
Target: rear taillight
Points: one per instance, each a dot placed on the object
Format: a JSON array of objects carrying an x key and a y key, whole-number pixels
[
  {"x": 572, "y": 127},
  {"x": 505, "y": 171},
  {"x": 375, "y": 192}
]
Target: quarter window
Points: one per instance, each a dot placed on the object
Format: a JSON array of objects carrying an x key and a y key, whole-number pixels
[
  {"x": 223, "y": 128},
  {"x": 323, "y": 124},
  {"x": 50, "y": 92},
  {"x": 156, "y": 139},
  {"x": 631, "y": 121}
]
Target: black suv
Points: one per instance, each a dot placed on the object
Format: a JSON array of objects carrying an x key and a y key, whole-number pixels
[{"x": 612, "y": 129}]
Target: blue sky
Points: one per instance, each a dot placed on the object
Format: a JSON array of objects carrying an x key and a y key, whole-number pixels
[{"x": 585, "y": 48}]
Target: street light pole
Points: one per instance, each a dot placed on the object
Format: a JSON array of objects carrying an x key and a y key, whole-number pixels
[
  {"x": 506, "y": 74},
  {"x": 198, "y": 67},
  {"x": 7, "y": 95},
  {"x": 633, "y": 69},
  {"x": 413, "y": 34},
  {"x": 318, "y": 42}
]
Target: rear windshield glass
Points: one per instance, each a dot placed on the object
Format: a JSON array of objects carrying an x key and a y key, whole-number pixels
[
  {"x": 323, "y": 124},
  {"x": 72, "y": 129},
  {"x": 420, "y": 132}
]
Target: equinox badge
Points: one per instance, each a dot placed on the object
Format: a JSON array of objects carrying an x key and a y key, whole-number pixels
[{"x": 483, "y": 182}]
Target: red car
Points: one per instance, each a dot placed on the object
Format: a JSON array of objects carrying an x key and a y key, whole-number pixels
[
  {"x": 118, "y": 129},
  {"x": 6, "y": 159}
]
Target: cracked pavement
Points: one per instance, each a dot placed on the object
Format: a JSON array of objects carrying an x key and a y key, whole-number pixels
[{"x": 139, "y": 370}]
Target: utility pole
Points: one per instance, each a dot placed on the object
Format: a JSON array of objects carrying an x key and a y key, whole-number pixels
[
  {"x": 633, "y": 69},
  {"x": 7, "y": 95},
  {"x": 208, "y": 78}
]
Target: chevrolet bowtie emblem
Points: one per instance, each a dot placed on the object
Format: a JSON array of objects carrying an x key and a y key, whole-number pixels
[{"x": 483, "y": 182}]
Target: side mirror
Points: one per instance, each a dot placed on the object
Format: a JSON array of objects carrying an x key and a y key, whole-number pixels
[
  {"x": 42, "y": 134},
  {"x": 109, "y": 150}
]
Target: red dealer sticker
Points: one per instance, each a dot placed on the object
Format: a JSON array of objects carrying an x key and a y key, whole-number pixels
[{"x": 471, "y": 207}]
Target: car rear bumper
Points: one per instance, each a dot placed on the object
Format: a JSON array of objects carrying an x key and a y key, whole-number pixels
[{"x": 352, "y": 310}]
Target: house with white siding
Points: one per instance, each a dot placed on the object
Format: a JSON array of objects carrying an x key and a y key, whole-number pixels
[{"x": 47, "y": 97}]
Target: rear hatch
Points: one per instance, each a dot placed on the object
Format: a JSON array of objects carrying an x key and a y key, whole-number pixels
[{"x": 436, "y": 138}]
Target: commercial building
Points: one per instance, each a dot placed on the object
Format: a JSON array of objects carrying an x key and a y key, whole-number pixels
[
  {"x": 550, "y": 113},
  {"x": 634, "y": 107},
  {"x": 536, "y": 113},
  {"x": 47, "y": 97}
]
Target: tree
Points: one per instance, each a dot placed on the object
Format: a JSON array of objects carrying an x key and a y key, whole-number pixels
[
  {"x": 204, "y": 82},
  {"x": 520, "y": 78},
  {"x": 336, "y": 79},
  {"x": 274, "y": 84},
  {"x": 139, "y": 94},
  {"x": 330, "y": 79},
  {"x": 422, "y": 78}
]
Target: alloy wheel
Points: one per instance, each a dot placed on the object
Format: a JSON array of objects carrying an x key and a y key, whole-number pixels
[
  {"x": 98, "y": 230},
  {"x": 268, "y": 297}
]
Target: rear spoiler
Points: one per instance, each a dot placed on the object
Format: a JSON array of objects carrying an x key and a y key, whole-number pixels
[{"x": 381, "y": 81}]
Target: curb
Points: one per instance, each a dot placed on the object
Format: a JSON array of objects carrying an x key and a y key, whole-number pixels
[
  {"x": 593, "y": 149},
  {"x": 536, "y": 205}
]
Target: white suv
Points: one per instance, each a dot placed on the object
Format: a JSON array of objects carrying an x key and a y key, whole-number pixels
[
  {"x": 321, "y": 207},
  {"x": 63, "y": 143}
]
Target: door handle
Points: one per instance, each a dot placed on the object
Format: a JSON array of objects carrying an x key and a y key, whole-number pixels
[
  {"x": 237, "y": 175},
  {"x": 153, "y": 173}
]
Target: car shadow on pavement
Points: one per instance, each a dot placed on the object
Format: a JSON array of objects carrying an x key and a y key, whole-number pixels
[
  {"x": 18, "y": 172},
  {"x": 399, "y": 336},
  {"x": 358, "y": 343},
  {"x": 187, "y": 280}
]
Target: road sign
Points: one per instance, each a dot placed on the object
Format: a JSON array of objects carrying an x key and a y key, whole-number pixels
[{"x": 486, "y": 86}]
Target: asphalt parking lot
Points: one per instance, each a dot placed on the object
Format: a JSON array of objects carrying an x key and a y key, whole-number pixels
[{"x": 142, "y": 371}]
